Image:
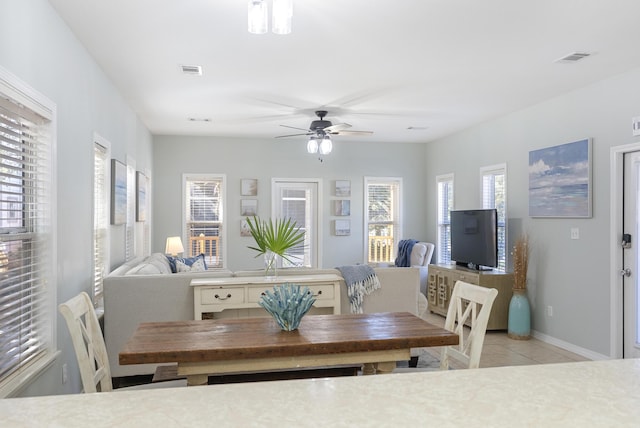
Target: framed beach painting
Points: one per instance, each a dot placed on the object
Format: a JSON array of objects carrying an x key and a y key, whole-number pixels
[
  {"x": 118, "y": 192},
  {"x": 343, "y": 188},
  {"x": 342, "y": 227},
  {"x": 560, "y": 181}
]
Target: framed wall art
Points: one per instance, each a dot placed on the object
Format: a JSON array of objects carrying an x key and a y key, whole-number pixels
[
  {"x": 342, "y": 207},
  {"x": 560, "y": 181},
  {"x": 141, "y": 196},
  {"x": 249, "y": 187},
  {"x": 248, "y": 207},
  {"x": 343, "y": 188},
  {"x": 118, "y": 192},
  {"x": 342, "y": 227}
]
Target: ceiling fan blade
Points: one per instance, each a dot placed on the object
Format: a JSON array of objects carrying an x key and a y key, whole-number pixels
[
  {"x": 337, "y": 127},
  {"x": 294, "y": 127},
  {"x": 294, "y": 135},
  {"x": 352, "y": 133}
]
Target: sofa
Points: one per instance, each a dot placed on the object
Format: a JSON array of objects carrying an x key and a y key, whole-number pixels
[{"x": 146, "y": 290}]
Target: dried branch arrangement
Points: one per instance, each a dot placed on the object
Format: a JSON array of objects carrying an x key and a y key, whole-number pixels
[{"x": 520, "y": 262}]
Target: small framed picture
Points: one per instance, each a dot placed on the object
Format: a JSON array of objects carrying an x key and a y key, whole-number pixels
[
  {"x": 249, "y": 187},
  {"x": 244, "y": 228},
  {"x": 343, "y": 188},
  {"x": 342, "y": 207},
  {"x": 248, "y": 207},
  {"x": 342, "y": 227}
]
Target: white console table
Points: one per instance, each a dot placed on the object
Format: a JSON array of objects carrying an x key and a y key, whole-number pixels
[{"x": 238, "y": 297}]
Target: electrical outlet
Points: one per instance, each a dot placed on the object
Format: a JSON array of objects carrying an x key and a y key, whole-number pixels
[
  {"x": 549, "y": 311},
  {"x": 575, "y": 233},
  {"x": 65, "y": 373}
]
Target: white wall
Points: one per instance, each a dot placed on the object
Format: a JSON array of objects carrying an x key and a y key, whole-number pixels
[
  {"x": 238, "y": 159},
  {"x": 570, "y": 275},
  {"x": 38, "y": 47}
]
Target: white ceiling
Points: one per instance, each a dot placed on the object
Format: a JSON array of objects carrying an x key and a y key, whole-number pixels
[{"x": 383, "y": 65}]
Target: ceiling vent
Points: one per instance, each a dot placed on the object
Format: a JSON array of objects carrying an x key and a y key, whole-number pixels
[
  {"x": 194, "y": 70},
  {"x": 573, "y": 57}
]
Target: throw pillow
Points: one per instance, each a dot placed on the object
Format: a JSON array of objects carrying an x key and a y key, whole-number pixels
[
  {"x": 188, "y": 262},
  {"x": 196, "y": 266}
]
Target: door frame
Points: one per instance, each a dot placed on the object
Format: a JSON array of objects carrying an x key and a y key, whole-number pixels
[{"x": 616, "y": 304}]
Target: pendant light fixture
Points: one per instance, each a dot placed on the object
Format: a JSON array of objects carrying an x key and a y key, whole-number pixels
[
  {"x": 326, "y": 145},
  {"x": 282, "y": 13}
]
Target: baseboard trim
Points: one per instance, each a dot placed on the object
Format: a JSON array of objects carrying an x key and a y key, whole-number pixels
[{"x": 587, "y": 353}]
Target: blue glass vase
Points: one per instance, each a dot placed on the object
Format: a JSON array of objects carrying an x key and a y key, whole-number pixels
[{"x": 519, "y": 316}]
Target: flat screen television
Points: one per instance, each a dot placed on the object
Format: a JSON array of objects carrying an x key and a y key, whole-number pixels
[{"x": 474, "y": 238}]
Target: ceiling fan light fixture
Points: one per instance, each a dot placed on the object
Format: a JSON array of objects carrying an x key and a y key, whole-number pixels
[
  {"x": 312, "y": 145},
  {"x": 258, "y": 16},
  {"x": 281, "y": 17},
  {"x": 326, "y": 145}
]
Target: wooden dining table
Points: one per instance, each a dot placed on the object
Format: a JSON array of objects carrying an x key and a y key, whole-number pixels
[{"x": 240, "y": 345}]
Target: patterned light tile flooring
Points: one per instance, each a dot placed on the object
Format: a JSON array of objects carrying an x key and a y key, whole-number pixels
[{"x": 499, "y": 350}]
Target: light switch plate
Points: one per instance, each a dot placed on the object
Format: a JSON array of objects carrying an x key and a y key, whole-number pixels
[
  {"x": 575, "y": 233},
  {"x": 635, "y": 123}
]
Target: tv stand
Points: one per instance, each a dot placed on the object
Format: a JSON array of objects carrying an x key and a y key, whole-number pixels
[
  {"x": 442, "y": 278},
  {"x": 474, "y": 267}
]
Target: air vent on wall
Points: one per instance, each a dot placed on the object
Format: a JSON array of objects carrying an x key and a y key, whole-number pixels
[
  {"x": 195, "y": 70},
  {"x": 573, "y": 57}
]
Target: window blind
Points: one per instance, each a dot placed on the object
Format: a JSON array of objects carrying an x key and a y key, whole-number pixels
[
  {"x": 100, "y": 219},
  {"x": 204, "y": 219},
  {"x": 25, "y": 237},
  {"x": 130, "y": 233},
  {"x": 383, "y": 219},
  {"x": 494, "y": 195},
  {"x": 445, "y": 205}
]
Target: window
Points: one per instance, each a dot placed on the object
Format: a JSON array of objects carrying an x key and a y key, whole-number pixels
[
  {"x": 298, "y": 200},
  {"x": 445, "y": 205},
  {"x": 27, "y": 235},
  {"x": 130, "y": 233},
  {"x": 494, "y": 195},
  {"x": 100, "y": 217},
  {"x": 204, "y": 214},
  {"x": 382, "y": 218}
]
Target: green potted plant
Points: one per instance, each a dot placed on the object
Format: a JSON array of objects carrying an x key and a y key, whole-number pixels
[{"x": 273, "y": 239}]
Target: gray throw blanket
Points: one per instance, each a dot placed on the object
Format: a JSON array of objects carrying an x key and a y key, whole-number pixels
[
  {"x": 360, "y": 280},
  {"x": 404, "y": 252}
]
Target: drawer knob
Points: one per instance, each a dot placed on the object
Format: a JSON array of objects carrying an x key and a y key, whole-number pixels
[
  {"x": 217, "y": 296},
  {"x": 318, "y": 293}
]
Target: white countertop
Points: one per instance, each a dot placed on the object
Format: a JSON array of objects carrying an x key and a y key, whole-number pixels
[{"x": 581, "y": 394}]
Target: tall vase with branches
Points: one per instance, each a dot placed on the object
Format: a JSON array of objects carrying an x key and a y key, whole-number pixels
[
  {"x": 273, "y": 239},
  {"x": 519, "y": 308}
]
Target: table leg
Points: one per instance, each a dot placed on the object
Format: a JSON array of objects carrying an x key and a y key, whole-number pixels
[
  {"x": 385, "y": 367},
  {"x": 199, "y": 379}
]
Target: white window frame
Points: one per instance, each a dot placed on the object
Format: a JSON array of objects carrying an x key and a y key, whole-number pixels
[
  {"x": 313, "y": 243},
  {"x": 224, "y": 224},
  {"x": 397, "y": 214},
  {"x": 488, "y": 201},
  {"x": 14, "y": 89},
  {"x": 442, "y": 250},
  {"x": 101, "y": 235}
]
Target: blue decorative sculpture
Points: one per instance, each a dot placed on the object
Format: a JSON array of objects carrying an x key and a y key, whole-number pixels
[{"x": 287, "y": 304}]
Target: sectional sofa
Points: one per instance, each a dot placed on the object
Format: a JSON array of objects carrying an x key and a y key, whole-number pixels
[{"x": 145, "y": 290}]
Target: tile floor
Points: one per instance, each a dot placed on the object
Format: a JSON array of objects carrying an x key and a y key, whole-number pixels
[{"x": 499, "y": 350}]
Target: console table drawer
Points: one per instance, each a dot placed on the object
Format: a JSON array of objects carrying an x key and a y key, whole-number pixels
[
  {"x": 221, "y": 295},
  {"x": 320, "y": 292}
]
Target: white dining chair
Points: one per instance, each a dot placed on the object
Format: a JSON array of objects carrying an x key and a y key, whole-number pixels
[
  {"x": 467, "y": 316},
  {"x": 90, "y": 348}
]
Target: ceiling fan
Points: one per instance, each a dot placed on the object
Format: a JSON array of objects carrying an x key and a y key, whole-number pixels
[
  {"x": 320, "y": 132},
  {"x": 321, "y": 128}
]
